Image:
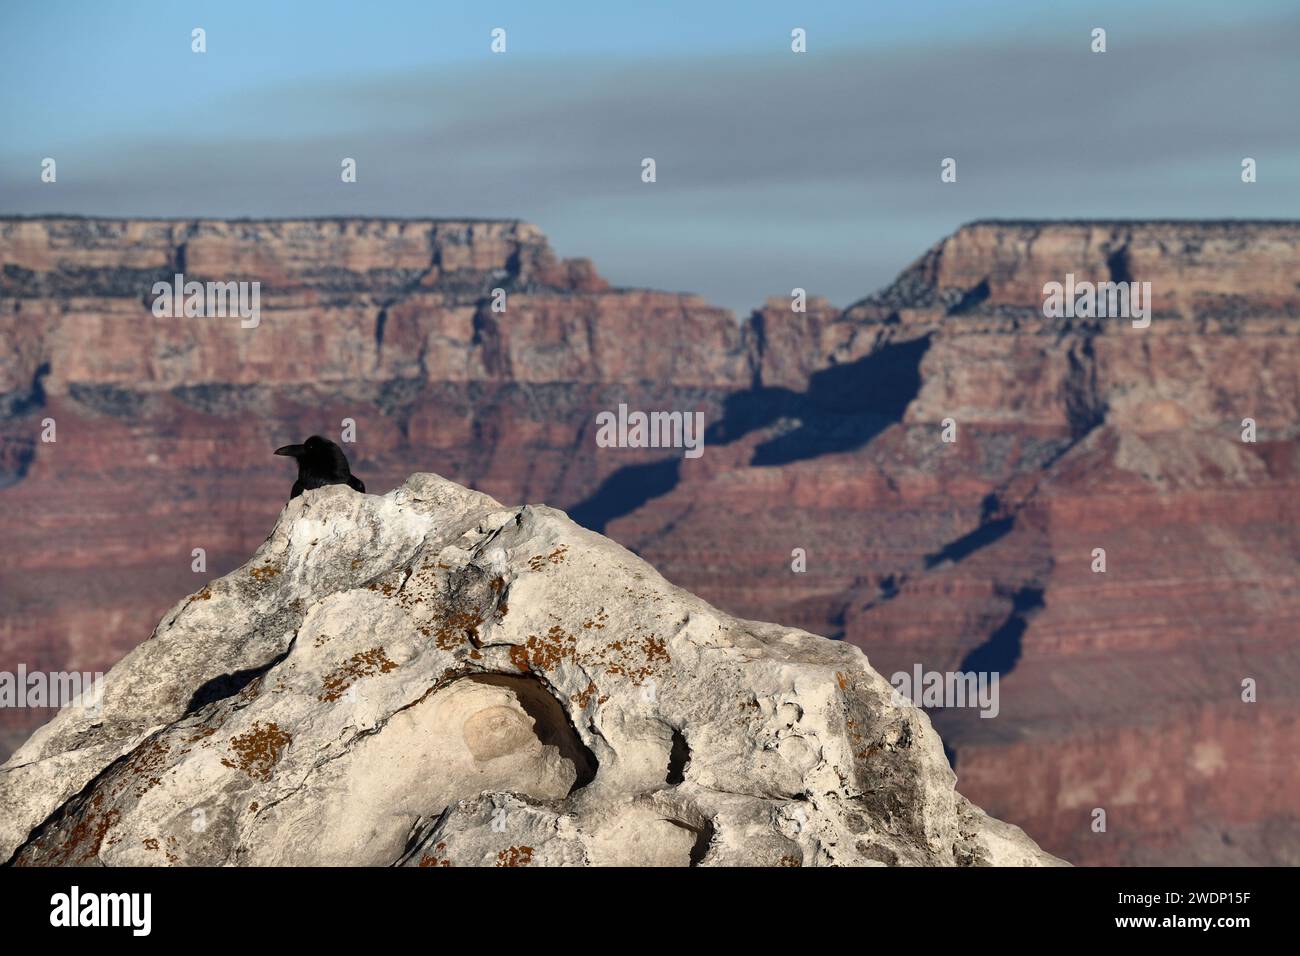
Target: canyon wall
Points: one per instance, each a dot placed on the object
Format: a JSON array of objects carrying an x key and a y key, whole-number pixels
[{"x": 1119, "y": 690}]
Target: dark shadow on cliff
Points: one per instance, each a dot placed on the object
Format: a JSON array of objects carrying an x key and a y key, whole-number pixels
[
  {"x": 844, "y": 408},
  {"x": 626, "y": 490},
  {"x": 986, "y": 534},
  {"x": 1001, "y": 652},
  {"x": 18, "y": 442}
]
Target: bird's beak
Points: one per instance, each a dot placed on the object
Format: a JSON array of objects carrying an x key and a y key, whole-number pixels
[{"x": 291, "y": 451}]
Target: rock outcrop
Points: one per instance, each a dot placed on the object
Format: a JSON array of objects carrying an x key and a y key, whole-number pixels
[{"x": 432, "y": 679}]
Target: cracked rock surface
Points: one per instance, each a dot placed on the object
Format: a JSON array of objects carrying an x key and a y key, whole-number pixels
[{"x": 428, "y": 678}]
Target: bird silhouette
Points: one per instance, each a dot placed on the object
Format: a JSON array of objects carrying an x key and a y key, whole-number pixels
[{"x": 320, "y": 463}]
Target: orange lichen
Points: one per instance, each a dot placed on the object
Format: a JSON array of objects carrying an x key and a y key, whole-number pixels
[
  {"x": 259, "y": 750},
  {"x": 656, "y": 650},
  {"x": 584, "y": 698},
  {"x": 201, "y": 733},
  {"x": 264, "y": 573},
  {"x": 456, "y": 628},
  {"x": 547, "y": 652},
  {"x": 856, "y": 739},
  {"x": 364, "y": 664},
  {"x": 538, "y": 562},
  {"x": 87, "y": 830},
  {"x": 515, "y": 856},
  {"x": 147, "y": 762},
  {"x": 636, "y": 660},
  {"x": 653, "y": 652},
  {"x": 437, "y": 858}
]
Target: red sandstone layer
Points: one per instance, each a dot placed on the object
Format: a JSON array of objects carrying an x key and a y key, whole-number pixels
[{"x": 1119, "y": 691}]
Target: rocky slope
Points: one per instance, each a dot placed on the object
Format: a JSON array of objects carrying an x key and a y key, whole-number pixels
[
  {"x": 1120, "y": 691},
  {"x": 431, "y": 679}
]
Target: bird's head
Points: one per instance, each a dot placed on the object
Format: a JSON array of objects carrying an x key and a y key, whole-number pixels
[{"x": 312, "y": 447}]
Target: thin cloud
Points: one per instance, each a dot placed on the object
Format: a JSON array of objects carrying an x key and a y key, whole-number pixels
[{"x": 773, "y": 170}]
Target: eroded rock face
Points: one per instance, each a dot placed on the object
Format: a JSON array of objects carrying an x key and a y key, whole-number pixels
[{"x": 430, "y": 678}]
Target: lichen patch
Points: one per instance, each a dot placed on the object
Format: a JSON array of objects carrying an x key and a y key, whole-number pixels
[
  {"x": 364, "y": 664},
  {"x": 258, "y": 751}
]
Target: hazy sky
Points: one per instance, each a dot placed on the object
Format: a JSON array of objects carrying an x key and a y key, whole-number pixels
[{"x": 775, "y": 169}]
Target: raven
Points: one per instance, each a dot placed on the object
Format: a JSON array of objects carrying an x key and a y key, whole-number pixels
[{"x": 320, "y": 462}]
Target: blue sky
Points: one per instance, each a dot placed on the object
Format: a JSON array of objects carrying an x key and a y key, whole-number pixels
[{"x": 775, "y": 170}]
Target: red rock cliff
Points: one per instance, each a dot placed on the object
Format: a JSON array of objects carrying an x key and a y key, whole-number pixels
[{"x": 1119, "y": 691}]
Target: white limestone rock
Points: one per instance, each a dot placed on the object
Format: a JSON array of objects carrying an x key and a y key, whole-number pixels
[{"x": 428, "y": 678}]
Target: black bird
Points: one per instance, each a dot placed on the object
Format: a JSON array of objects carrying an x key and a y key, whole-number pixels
[{"x": 320, "y": 463}]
